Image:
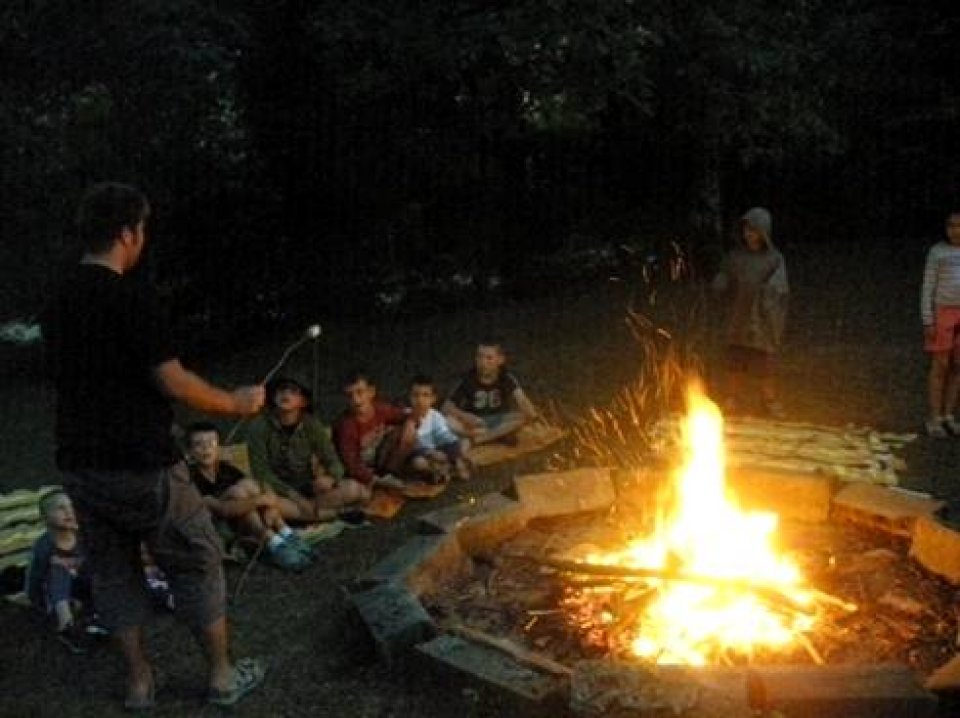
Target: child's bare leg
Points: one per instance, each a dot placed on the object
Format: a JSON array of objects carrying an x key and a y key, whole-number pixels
[
  {"x": 346, "y": 491},
  {"x": 251, "y": 523},
  {"x": 952, "y": 388},
  {"x": 402, "y": 446},
  {"x": 939, "y": 366},
  {"x": 510, "y": 424},
  {"x": 296, "y": 508}
]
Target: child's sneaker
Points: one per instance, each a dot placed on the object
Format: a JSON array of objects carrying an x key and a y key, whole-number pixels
[
  {"x": 951, "y": 425},
  {"x": 74, "y": 639},
  {"x": 935, "y": 428},
  {"x": 286, "y": 557},
  {"x": 295, "y": 541}
]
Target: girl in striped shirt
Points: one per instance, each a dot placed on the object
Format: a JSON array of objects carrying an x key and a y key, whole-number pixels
[{"x": 940, "y": 313}]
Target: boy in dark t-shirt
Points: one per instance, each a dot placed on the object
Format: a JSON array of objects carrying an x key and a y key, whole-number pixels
[
  {"x": 240, "y": 501},
  {"x": 488, "y": 404}
]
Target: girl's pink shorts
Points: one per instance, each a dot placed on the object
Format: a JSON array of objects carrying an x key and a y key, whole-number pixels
[{"x": 946, "y": 332}]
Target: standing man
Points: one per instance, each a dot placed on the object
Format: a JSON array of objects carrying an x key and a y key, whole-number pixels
[{"x": 116, "y": 370}]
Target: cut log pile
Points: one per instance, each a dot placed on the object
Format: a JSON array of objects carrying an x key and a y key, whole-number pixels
[{"x": 848, "y": 454}]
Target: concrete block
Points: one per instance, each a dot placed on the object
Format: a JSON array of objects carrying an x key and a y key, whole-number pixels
[
  {"x": 882, "y": 508},
  {"x": 937, "y": 548},
  {"x": 422, "y": 564},
  {"x": 480, "y": 525},
  {"x": 791, "y": 495},
  {"x": 395, "y": 619},
  {"x": 845, "y": 691},
  {"x": 565, "y": 492},
  {"x": 526, "y": 691}
]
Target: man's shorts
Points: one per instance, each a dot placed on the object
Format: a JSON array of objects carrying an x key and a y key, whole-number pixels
[
  {"x": 747, "y": 360},
  {"x": 117, "y": 510},
  {"x": 945, "y": 336}
]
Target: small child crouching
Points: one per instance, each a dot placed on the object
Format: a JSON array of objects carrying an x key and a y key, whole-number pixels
[
  {"x": 58, "y": 582},
  {"x": 437, "y": 450}
]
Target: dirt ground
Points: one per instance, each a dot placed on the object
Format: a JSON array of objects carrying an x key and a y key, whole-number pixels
[{"x": 852, "y": 355}]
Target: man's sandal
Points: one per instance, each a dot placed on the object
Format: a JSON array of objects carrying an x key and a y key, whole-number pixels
[{"x": 247, "y": 675}]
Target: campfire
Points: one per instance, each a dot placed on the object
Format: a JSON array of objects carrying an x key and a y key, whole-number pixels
[{"x": 710, "y": 583}]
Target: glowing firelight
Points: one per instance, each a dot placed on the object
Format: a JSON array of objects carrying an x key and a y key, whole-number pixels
[{"x": 705, "y": 533}]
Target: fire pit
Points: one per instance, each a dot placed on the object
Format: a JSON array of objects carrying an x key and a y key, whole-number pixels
[{"x": 611, "y": 593}]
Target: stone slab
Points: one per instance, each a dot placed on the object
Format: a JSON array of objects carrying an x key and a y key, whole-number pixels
[
  {"x": 866, "y": 691},
  {"x": 529, "y": 691},
  {"x": 480, "y": 525},
  {"x": 565, "y": 492},
  {"x": 882, "y": 508},
  {"x": 936, "y": 547},
  {"x": 791, "y": 495},
  {"x": 395, "y": 619},
  {"x": 421, "y": 564}
]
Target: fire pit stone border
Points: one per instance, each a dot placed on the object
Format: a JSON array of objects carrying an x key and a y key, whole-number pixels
[{"x": 387, "y": 597}]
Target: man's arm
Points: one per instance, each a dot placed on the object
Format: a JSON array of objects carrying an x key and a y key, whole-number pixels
[{"x": 184, "y": 386}]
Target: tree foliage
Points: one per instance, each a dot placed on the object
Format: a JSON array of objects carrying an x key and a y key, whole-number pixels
[{"x": 302, "y": 150}]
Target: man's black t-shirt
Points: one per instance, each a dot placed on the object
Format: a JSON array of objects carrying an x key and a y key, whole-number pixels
[
  {"x": 227, "y": 476},
  {"x": 103, "y": 335}
]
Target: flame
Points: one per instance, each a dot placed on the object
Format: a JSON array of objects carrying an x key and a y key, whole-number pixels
[{"x": 707, "y": 534}]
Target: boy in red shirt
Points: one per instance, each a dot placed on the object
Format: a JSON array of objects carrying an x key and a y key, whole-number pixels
[{"x": 367, "y": 435}]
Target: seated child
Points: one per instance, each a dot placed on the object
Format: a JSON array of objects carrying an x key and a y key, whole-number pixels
[
  {"x": 436, "y": 447},
  {"x": 488, "y": 404},
  {"x": 58, "y": 582},
  {"x": 238, "y": 500},
  {"x": 292, "y": 456},
  {"x": 366, "y": 435}
]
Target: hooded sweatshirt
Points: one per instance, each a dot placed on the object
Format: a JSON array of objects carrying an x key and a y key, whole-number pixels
[{"x": 755, "y": 282}]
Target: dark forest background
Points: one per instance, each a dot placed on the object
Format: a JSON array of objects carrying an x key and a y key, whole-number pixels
[{"x": 380, "y": 157}]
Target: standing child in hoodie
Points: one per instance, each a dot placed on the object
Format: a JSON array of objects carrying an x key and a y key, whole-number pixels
[{"x": 753, "y": 278}]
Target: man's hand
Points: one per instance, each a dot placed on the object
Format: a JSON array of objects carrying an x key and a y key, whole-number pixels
[{"x": 248, "y": 399}]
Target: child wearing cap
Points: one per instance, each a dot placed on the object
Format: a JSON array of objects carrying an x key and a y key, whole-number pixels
[{"x": 291, "y": 454}]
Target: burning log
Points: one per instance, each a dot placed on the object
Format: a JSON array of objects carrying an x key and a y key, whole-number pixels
[{"x": 768, "y": 592}]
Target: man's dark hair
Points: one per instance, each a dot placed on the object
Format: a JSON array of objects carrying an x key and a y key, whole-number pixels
[
  {"x": 200, "y": 427},
  {"x": 105, "y": 210},
  {"x": 423, "y": 380},
  {"x": 352, "y": 377},
  {"x": 46, "y": 499}
]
